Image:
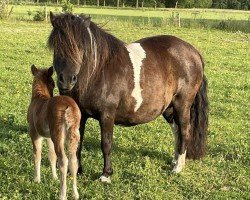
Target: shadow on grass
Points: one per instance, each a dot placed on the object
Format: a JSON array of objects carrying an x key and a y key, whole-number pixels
[{"x": 7, "y": 126}]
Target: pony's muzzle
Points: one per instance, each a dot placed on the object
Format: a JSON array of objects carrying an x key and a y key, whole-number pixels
[{"x": 65, "y": 83}]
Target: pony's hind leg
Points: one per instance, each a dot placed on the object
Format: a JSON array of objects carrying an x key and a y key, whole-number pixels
[
  {"x": 169, "y": 116},
  {"x": 182, "y": 127},
  {"x": 73, "y": 139},
  {"x": 52, "y": 157},
  {"x": 37, "y": 151}
]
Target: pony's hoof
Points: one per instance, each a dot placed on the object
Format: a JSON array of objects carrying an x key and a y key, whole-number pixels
[
  {"x": 79, "y": 171},
  {"x": 177, "y": 168},
  {"x": 105, "y": 179},
  {"x": 174, "y": 162}
]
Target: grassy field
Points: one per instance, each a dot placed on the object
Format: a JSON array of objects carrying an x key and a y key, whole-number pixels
[
  {"x": 230, "y": 20},
  {"x": 142, "y": 154},
  {"x": 185, "y": 13}
]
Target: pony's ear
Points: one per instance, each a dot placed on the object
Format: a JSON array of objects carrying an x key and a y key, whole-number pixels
[
  {"x": 53, "y": 19},
  {"x": 34, "y": 70},
  {"x": 87, "y": 21},
  {"x": 50, "y": 71}
]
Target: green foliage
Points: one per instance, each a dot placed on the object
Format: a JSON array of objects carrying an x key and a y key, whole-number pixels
[
  {"x": 194, "y": 3},
  {"x": 40, "y": 15},
  {"x": 3, "y": 9},
  {"x": 232, "y": 4},
  {"x": 67, "y": 6},
  {"x": 141, "y": 155}
]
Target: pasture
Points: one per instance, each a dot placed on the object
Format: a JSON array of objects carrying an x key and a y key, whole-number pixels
[{"x": 141, "y": 155}]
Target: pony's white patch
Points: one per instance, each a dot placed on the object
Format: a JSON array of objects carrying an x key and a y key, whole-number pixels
[
  {"x": 93, "y": 48},
  {"x": 105, "y": 179},
  {"x": 136, "y": 54},
  {"x": 180, "y": 162}
]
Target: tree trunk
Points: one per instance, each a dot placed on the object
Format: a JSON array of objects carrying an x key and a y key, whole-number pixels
[
  {"x": 137, "y": 3},
  {"x": 176, "y": 4},
  {"x": 104, "y": 3},
  {"x": 117, "y": 4},
  {"x": 97, "y": 3},
  {"x": 78, "y": 3}
]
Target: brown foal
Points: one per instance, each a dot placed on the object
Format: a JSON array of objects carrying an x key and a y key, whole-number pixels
[{"x": 57, "y": 119}]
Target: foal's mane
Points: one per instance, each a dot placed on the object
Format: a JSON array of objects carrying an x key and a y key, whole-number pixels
[
  {"x": 40, "y": 84},
  {"x": 84, "y": 43}
]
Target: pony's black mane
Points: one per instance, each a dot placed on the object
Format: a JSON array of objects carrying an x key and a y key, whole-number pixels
[
  {"x": 70, "y": 35},
  {"x": 70, "y": 38}
]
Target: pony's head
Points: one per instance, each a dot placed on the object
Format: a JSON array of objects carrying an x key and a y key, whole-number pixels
[
  {"x": 69, "y": 39},
  {"x": 43, "y": 83}
]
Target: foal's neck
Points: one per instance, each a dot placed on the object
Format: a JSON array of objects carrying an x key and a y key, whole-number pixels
[{"x": 40, "y": 90}]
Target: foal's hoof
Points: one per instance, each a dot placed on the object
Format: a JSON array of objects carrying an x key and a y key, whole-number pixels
[{"x": 105, "y": 179}]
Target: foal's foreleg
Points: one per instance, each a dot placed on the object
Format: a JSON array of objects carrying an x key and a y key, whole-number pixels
[
  {"x": 37, "y": 151},
  {"x": 52, "y": 157},
  {"x": 107, "y": 124},
  {"x": 73, "y": 142}
]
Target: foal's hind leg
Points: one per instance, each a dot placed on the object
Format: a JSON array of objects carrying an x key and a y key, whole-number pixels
[
  {"x": 52, "y": 157},
  {"x": 73, "y": 139},
  {"x": 58, "y": 139}
]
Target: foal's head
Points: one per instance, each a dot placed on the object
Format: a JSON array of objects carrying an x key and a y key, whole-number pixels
[{"x": 43, "y": 83}]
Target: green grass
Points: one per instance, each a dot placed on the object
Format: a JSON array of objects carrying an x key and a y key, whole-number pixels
[
  {"x": 142, "y": 154},
  {"x": 231, "y": 20},
  {"x": 185, "y": 13}
]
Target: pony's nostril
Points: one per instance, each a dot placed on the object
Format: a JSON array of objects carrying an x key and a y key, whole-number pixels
[
  {"x": 61, "y": 78},
  {"x": 74, "y": 79}
]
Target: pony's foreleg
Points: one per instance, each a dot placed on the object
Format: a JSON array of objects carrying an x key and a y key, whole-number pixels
[
  {"x": 37, "y": 151},
  {"x": 52, "y": 157},
  {"x": 175, "y": 130},
  {"x": 183, "y": 118},
  {"x": 106, "y": 124},
  {"x": 79, "y": 149},
  {"x": 73, "y": 141}
]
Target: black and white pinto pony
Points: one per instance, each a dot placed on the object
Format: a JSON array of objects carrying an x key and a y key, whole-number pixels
[{"x": 130, "y": 84}]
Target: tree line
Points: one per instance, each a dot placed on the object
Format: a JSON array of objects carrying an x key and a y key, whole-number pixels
[{"x": 222, "y": 4}]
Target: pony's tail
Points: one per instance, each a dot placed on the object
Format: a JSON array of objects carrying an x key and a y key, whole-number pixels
[{"x": 199, "y": 123}]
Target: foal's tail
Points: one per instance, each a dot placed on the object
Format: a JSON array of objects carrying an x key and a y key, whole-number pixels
[{"x": 199, "y": 123}]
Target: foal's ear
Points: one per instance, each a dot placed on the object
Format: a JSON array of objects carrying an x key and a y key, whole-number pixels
[
  {"x": 34, "y": 70},
  {"x": 87, "y": 21},
  {"x": 50, "y": 71}
]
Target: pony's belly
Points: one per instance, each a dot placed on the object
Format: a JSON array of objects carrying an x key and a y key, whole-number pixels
[{"x": 142, "y": 116}]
